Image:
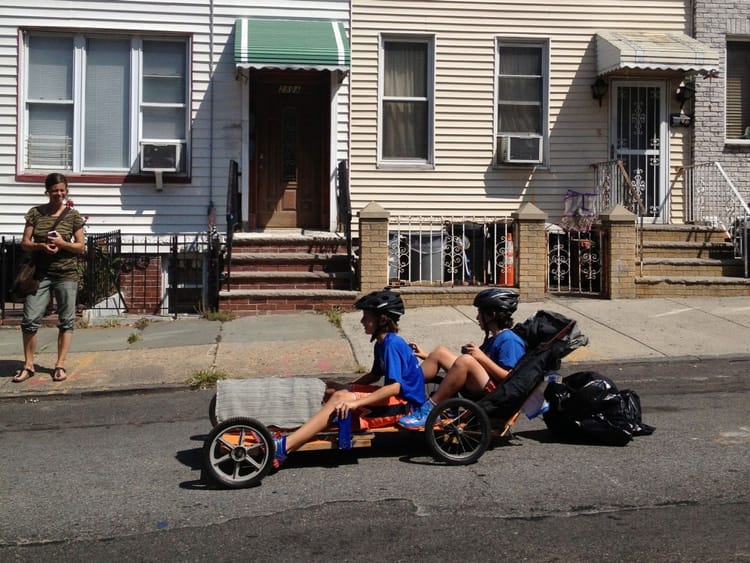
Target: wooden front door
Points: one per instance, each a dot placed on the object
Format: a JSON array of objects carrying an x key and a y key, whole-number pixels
[{"x": 290, "y": 114}]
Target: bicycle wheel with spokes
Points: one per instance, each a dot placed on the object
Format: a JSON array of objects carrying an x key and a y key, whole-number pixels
[
  {"x": 238, "y": 452},
  {"x": 458, "y": 431}
]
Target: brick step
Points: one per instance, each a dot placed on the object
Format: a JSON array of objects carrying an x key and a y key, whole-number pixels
[
  {"x": 682, "y": 233},
  {"x": 691, "y": 286},
  {"x": 282, "y": 242},
  {"x": 665, "y": 267},
  {"x": 675, "y": 249},
  {"x": 254, "y": 247},
  {"x": 300, "y": 258},
  {"x": 262, "y": 302},
  {"x": 290, "y": 280}
]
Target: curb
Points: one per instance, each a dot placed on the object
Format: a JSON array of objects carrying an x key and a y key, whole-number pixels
[{"x": 174, "y": 387}]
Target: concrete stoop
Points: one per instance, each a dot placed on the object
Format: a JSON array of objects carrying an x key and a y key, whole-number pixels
[
  {"x": 287, "y": 271},
  {"x": 689, "y": 261}
]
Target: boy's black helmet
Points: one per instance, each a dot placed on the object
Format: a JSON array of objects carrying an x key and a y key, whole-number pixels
[
  {"x": 497, "y": 299},
  {"x": 386, "y": 302}
]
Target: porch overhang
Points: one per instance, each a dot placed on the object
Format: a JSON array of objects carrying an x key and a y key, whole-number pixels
[
  {"x": 620, "y": 51},
  {"x": 291, "y": 44}
]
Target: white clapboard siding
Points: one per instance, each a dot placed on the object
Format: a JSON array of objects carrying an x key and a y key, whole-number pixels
[
  {"x": 463, "y": 181},
  {"x": 216, "y": 134}
]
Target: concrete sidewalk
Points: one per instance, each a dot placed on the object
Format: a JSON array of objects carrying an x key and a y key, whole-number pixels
[{"x": 165, "y": 353}]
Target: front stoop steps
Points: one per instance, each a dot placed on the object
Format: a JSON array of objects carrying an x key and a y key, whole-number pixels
[
  {"x": 688, "y": 261},
  {"x": 287, "y": 271}
]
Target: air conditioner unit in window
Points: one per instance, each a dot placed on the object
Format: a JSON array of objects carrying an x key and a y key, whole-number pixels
[
  {"x": 521, "y": 150},
  {"x": 159, "y": 158}
]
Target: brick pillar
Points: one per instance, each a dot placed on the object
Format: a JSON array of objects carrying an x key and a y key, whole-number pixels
[
  {"x": 621, "y": 241},
  {"x": 373, "y": 248},
  {"x": 531, "y": 260}
]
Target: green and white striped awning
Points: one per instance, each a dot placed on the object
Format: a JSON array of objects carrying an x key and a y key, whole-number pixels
[{"x": 291, "y": 44}]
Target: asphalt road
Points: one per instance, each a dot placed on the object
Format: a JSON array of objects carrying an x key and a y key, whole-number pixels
[{"x": 120, "y": 477}]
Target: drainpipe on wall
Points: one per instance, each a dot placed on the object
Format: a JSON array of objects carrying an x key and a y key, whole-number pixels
[{"x": 211, "y": 207}]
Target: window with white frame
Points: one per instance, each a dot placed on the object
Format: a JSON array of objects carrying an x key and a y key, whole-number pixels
[
  {"x": 521, "y": 102},
  {"x": 738, "y": 91},
  {"x": 90, "y": 100},
  {"x": 406, "y": 93}
]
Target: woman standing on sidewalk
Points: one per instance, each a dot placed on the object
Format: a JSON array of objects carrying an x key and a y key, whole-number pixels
[{"x": 53, "y": 235}]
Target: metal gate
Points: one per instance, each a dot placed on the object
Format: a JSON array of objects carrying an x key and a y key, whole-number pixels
[{"x": 639, "y": 138}]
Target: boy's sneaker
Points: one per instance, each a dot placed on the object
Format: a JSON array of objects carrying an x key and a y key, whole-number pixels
[
  {"x": 280, "y": 451},
  {"x": 417, "y": 419}
]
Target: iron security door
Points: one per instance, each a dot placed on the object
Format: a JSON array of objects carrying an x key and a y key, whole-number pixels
[{"x": 639, "y": 132}]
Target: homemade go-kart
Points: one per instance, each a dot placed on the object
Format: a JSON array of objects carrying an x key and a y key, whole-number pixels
[{"x": 239, "y": 451}]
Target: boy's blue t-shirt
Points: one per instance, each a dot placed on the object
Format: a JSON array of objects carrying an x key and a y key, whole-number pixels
[
  {"x": 505, "y": 349},
  {"x": 396, "y": 363}
]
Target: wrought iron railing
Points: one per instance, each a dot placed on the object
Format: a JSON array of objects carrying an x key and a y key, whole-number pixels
[
  {"x": 613, "y": 186},
  {"x": 711, "y": 198},
  {"x": 344, "y": 204},
  {"x": 177, "y": 274},
  {"x": 10, "y": 258},
  {"x": 234, "y": 207},
  {"x": 575, "y": 260},
  {"x": 451, "y": 251}
]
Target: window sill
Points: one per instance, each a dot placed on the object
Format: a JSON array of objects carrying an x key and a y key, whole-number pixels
[
  {"x": 737, "y": 142},
  {"x": 521, "y": 166},
  {"x": 405, "y": 166},
  {"x": 103, "y": 178}
]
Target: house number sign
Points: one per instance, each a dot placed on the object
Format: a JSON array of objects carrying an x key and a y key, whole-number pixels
[{"x": 290, "y": 89}]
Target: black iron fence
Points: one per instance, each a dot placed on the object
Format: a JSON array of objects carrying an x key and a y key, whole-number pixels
[
  {"x": 344, "y": 204},
  {"x": 575, "y": 260},
  {"x": 234, "y": 208},
  {"x": 451, "y": 251},
  {"x": 178, "y": 274}
]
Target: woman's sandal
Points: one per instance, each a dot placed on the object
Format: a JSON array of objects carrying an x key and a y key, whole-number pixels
[
  {"x": 22, "y": 375},
  {"x": 59, "y": 375}
]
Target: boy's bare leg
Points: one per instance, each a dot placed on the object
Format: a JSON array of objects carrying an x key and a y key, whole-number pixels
[
  {"x": 465, "y": 371},
  {"x": 317, "y": 423},
  {"x": 440, "y": 358}
]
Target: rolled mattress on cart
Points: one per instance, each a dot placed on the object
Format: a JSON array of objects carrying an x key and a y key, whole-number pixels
[{"x": 283, "y": 402}]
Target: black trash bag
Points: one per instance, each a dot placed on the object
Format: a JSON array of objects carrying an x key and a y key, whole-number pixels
[
  {"x": 627, "y": 414},
  {"x": 587, "y": 407},
  {"x": 545, "y": 347}
]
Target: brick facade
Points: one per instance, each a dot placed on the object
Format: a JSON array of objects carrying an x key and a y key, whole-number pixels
[
  {"x": 715, "y": 21},
  {"x": 142, "y": 288}
]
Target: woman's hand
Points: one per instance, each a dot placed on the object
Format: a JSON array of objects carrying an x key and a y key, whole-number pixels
[{"x": 50, "y": 247}]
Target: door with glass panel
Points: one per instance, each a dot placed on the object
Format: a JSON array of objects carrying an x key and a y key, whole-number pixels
[
  {"x": 290, "y": 141},
  {"x": 639, "y": 138}
]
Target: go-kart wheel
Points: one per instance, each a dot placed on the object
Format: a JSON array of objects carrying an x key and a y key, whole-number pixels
[
  {"x": 458, "y": 431},
  {"x": 212, "y": 411},
  {"x": 238, "y": 452}
]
